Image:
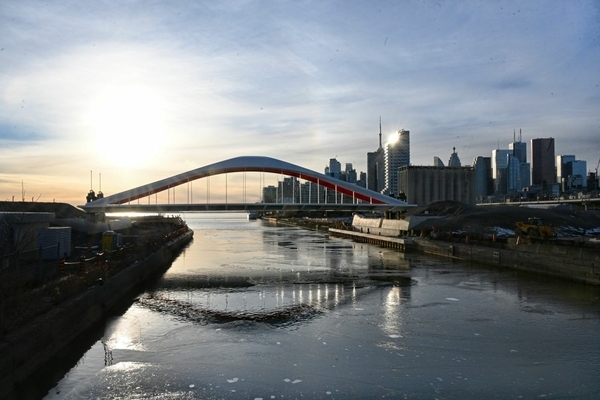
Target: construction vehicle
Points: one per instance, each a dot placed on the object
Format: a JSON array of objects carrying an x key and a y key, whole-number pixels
[{"x": 534, "y": 228}]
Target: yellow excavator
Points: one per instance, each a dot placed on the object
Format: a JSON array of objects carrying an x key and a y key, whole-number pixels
[{"x": 534, "y": 228}]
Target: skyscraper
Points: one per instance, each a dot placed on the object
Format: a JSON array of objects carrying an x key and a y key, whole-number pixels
[
  {"x": 287, "y": 191},
  {"x": 350, "y": 173},
  {"x": 484, "y": 183},
  {"x": 578, "y": 171},
  {"x": 519, "y": 151},
  {"x": 543, "y": 171},
  {"x": 362, "y": 182},
  {"x": 437, "y": 162},
  {"x": 571, "y": 173},
  {"x": 397, "y": 154},
  {"x": 561, "y": 164},
  {"x": 454, "y": 160},
  {"x": 519, "y": 148},
  {"x": 500, "y": 160},
  {"x": 269, "y": 194},
  {"x": 513, "y": 175},
  {"x": 525, "y": 175},
  {"x": 376, "y": 167},
  {"x": 335, "y": 168}
]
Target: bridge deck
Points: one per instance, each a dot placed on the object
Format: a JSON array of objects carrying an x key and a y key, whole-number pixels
[{"x": 242, "y": 207}]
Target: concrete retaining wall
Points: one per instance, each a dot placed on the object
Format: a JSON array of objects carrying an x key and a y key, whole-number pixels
[
  {"x": 31, "y": 347},
  {"x": 402, "y": 244},
  {"x": 577, "y": 264}
]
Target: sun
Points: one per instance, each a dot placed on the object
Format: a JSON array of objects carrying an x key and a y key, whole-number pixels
[{"x": 128, "y": 125}]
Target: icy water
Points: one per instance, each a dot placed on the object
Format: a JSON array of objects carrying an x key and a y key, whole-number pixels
[{"x": 254, "y": 311}]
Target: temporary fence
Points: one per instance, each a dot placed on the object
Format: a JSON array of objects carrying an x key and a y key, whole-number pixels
[{"x": 31, "y": 267}]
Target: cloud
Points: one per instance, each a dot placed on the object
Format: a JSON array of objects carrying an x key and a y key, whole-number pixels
[
  {"x": 300, "y": 81},
  {"x": 515, "y": 83}
]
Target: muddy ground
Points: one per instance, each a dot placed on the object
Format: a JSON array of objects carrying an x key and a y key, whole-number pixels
[{"x": 482, "y": 220}]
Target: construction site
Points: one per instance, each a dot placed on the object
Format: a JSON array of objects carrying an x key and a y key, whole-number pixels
[{"x": 558, "y": 241}]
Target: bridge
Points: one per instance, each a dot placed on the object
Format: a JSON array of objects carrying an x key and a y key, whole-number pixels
[{"x": 347, "y": 196}]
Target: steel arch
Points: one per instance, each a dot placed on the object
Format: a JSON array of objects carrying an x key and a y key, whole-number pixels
[{"x": 247, "y": 164}]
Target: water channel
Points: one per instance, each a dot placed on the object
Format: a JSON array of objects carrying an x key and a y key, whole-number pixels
[{"x": 256, "y": 311}]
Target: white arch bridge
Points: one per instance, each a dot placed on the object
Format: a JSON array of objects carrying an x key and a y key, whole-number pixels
[{"x": 362, "y": 200}]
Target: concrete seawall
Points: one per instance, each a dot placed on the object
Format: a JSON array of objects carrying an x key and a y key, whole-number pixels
[
  {"x": 29, "y": 348},
  {"x": 402, "y": 244},
  {"x": 573, "y": 263}
]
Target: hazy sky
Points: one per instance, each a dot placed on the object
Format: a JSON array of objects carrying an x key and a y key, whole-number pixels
[{"x": 142, "y": 90}]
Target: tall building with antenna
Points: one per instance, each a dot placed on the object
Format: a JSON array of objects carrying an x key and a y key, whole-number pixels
[
  {"x": 376, "y": 167},
  {"x": 519, "y": 151},
  {"x": 519, "y": 148},
  {"x": 510, "y": 169},
  {"x": 397, "y": 154},
  {"x": 454, "y": 159}
]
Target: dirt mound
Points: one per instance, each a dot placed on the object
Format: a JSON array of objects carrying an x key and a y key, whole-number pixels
[
  {"x": 443, "y": 208},
  {"x": 479, "y": 220}
]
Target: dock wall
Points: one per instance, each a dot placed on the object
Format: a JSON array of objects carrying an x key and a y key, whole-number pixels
[
  {"x": 573, "y": 263},
  {"x": 401, "y": 244},
  {"x": 31, "y": 347}
]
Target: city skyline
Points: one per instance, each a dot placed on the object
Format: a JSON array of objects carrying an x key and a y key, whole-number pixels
[{"x": 139, "y": 92}]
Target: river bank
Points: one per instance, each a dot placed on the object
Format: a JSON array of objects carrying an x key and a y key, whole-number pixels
[
  {"x": 561, "y": 259},
  {"x": 573, "y": 263},
  {"x": 29, "y": 347}
]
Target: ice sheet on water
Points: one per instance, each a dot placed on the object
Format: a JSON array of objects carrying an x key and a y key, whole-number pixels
[{"x": 199, "y": 314}]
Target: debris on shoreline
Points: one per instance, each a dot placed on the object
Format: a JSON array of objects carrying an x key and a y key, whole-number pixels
[{"x": 474, "y": 221}]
